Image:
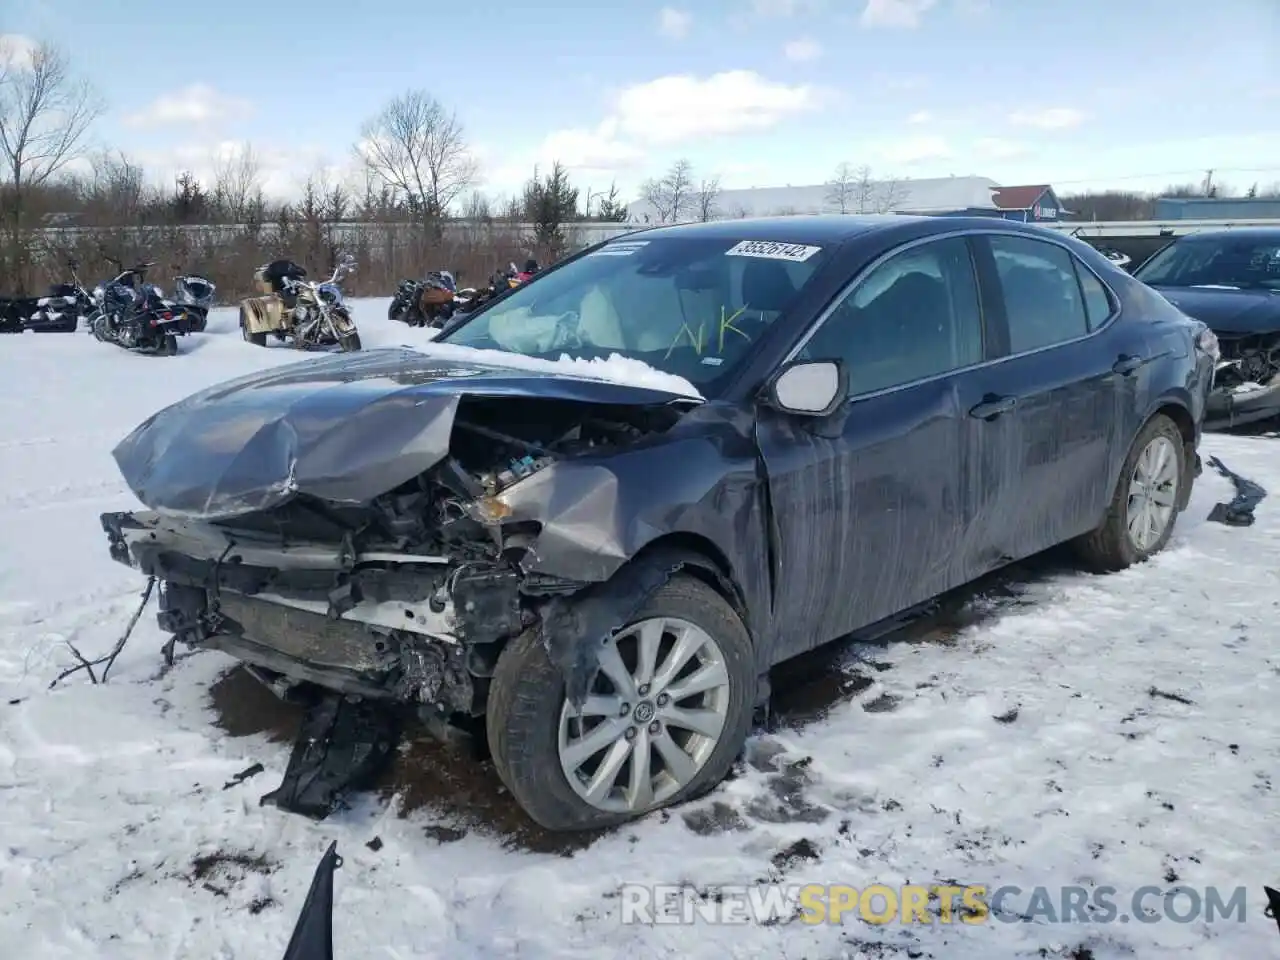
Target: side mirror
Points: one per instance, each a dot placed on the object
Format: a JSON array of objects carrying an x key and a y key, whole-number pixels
[{"x": 808, "y": 388}]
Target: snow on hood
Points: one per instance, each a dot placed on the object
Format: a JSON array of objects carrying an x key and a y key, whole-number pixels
[{"x": 614, "y": 369}]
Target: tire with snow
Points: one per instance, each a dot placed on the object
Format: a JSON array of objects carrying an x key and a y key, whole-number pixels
[
  {"x": 1145, "y": 504},
  {"x": 664, "y": 721}
]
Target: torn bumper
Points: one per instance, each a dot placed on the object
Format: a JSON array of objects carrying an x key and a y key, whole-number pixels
[
  {"x": 1236, "y": 407},
  {"x": 390, "y": 626}
]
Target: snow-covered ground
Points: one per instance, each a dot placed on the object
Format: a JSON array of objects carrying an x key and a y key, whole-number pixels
[{"x": 1137, "y": 743}]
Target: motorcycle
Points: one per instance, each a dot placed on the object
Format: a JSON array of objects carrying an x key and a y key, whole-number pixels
[
  {"x": 65, "y": 306},
  {"x": 308, "y": 313},
  {"x": 194, "y": 296},
  {"x": 1121, "y": 260},
  {"x": 134, "y": 314},
  {"x": 428, "y": 302},
  {"x": 59, "y": 312}
]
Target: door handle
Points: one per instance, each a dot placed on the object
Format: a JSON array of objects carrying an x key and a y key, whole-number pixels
[
  {"x": 1127, "y": 365},
  {"x": 992, "y": 406}
]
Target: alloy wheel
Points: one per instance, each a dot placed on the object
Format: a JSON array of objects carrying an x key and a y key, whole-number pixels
[
  {"x": 1153, "y": 493},
  {"x": 652, "y": 719}
]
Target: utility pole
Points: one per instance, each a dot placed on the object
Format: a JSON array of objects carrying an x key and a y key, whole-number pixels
[{"x": 1208, "y": 183}]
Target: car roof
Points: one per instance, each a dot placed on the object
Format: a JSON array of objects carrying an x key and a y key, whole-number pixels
[
  {"x": 801, "y": 228},
  {"x": 828, "y": 228},
  {"x": 1263, "y": 234}
]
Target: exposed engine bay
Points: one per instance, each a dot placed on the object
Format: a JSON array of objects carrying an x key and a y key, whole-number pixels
[{"x": 1249, "y": 361}]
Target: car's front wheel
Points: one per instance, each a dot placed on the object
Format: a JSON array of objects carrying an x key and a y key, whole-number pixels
[
  {"x": 665, "y": 718},
  {"x": 1144, "y": 507}
]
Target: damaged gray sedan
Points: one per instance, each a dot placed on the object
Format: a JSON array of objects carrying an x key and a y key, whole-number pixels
[{"x": 771, "y": 434}]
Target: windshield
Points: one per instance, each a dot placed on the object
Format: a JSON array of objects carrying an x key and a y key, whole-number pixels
[
  {"x": 689, "y": 306},
  {"x": 1232, "y": 262}
]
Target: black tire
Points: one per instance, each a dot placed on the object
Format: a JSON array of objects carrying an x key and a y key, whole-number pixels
[
  {"x": 349, "y": 342},
  {"x": 198, "y": 320},
  {"x": 1109, "y": 547},
  {"x": 170, "y": 348},
  {"x": 257, "y": 339},
  {"x": 527, "y": 693},
  {"x": 396, "y": 311}
]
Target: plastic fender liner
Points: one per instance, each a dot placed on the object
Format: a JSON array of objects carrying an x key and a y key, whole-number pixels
[{"x": 574, "y": 626}]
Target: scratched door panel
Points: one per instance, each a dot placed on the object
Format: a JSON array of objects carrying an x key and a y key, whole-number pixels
[{"x": 869, "y": 511}]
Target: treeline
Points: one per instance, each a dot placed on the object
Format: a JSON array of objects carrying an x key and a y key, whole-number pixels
[{"x": 1132, "y": 205}]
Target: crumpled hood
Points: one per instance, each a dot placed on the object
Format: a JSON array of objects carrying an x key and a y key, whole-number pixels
[
  {"x": 1228, "y": 311},
  {"x": 345, "y": 429}
]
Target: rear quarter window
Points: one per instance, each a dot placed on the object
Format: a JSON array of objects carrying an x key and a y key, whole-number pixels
[{"x": 1098, "y": 305}]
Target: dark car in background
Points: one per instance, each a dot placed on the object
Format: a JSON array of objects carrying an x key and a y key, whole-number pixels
[
  {"x": 852, "y": 416},
  {"x": 1230, "y": 280}
]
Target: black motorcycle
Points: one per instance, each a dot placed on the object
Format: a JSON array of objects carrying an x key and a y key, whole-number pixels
[
  {"x": 428, "y": 302},
  {"x": 134, "y": 315}
]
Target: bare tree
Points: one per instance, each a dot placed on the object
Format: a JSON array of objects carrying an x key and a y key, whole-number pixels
[
  {"x": 45, "y": 114},
  {"x": 855, "y": 191},
  {"x": 841, "y": 189},
  {"x": 671, "y": 195},
  {"x": 237, "y": 183},
  {"x": 889, "y": 194},
  {"x": 116, "y": 188},
  {"x": 419, "y": 151},
  {"x": 477, "y": 208},
  {"x": 707, "y": 198}
]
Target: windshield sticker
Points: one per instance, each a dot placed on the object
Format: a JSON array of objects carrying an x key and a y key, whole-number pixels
[
  {"x": 771, "y": 250},
  {"x": 624, "y": 249},
  {"x": 712, "y": 361}
]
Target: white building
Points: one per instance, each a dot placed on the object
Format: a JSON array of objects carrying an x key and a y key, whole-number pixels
[{"x": 937, "y": 195}]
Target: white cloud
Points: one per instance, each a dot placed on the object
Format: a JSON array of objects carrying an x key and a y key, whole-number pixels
[
  {"x": 901, "y": 14},
  {"x": 16, "y": 51},
  {"x": 1054, "y": 118},
  {"x": 674, "y": 23},
  {"x": 677, "y": 109},
  {"x": 802, "y": 50},
  {"x": 920, "y": 116},
  {"x": 994, "y": 148},
  {"x": 198, "y": 103},
  {"x": 662, "y": 113},
  {"x": 915, "y": 150}
]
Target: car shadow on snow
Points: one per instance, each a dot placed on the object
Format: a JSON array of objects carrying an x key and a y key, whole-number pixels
[{"x": 456, "y": 787}]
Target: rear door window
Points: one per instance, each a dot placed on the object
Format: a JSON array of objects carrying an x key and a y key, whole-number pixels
[{"x": 1043, "y": 300}]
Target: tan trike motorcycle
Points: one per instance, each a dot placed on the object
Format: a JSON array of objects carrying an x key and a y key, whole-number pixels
[{"x": 307, "y": 313}]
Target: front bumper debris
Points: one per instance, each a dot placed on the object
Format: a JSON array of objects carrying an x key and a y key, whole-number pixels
[
  {"x": 383, "y": 626},
  {"x": 1228, "y": 407},
  {"x": 377, "y": 633},
  {"x": 341, "y": 746}
]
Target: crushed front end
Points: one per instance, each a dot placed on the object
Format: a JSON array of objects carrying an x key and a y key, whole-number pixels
[
  {"x": 1247, "y": 381},
  {"x": 369, "y": 610}
]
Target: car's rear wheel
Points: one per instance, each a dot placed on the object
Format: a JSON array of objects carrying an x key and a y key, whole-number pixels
[
  {"x": 1144, "y": 507},
  {"x": 665, "y": 719}
]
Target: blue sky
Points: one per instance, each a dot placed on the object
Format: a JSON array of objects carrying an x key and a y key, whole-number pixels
[{"x": 1078, "y": 93}]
